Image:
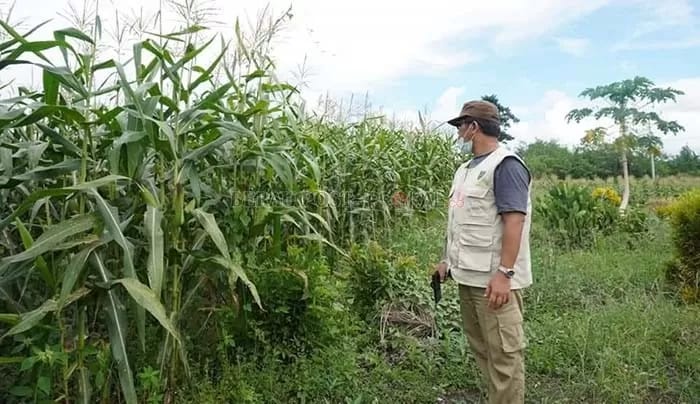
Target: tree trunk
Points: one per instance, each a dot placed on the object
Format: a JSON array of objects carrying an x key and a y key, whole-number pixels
[
  {"x": 653, "y": 169},
  {"x": 626, "y": 180}
]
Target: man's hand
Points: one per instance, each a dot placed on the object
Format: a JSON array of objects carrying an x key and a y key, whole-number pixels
[
  {"x": 498, "y": 291},
  {"x": 441, "y": 268}
]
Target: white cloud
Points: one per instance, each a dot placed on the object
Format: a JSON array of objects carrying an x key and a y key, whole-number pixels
[
  {"x": 573, "y": 46},
  {"x": 546, "y": 119},
  {"x": 686, "y": 112},
  {"x": 448, "y": 104},
  {"x": 368, "y": 44},
  {"x": 674, "y": 21}
]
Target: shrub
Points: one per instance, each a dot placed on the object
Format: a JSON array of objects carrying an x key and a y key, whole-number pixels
[
  {"x": 573, "y": 214},
  {"x": 302, "y": 307},
  {"x": 607, "y": 194},
  {"x": 377, "y": 277},
  {"x": 684, "y": 270}
]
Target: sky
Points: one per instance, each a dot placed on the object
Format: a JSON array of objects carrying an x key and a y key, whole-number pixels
[{"x": 536, "y": 56}]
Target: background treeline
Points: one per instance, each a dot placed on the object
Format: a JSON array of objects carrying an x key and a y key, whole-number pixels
[{"x": 550, "y": 158}]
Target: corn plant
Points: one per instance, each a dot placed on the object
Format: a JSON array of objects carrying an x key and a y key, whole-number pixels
[{"x": 137, "y": 194}]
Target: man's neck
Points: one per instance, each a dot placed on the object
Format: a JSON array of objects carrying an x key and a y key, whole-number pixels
[{"x": 484, "y": 148}]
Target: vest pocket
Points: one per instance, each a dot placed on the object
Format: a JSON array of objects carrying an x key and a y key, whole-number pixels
[
  {"x": 475, "y": 253},
  {"x": 478, "y": 206}
]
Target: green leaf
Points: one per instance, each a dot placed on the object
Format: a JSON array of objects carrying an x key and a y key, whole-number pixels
[
  {"x": 8, "y": 360},
  {"x": 200, "y": 152},
  {"x": 208, "y": 222},
  {"x": 68, "y": 79},
  {"x": 174, "y": 36},
  {"x": 73, "y": 272},
  {"x": 126, "y": 138},
  {"x": 72, "y": 32},
  {"x": 117, "y": 326},
  {"x": 21, "y": 391},
  {"x": 54, "y": 236},
  {"x": 9, "y": 318},
  {"x": 281, "y": 167},
  {"x": 146, "y": 298},
  {"x": 28, "y": 241},
  {"x": 207, "y": 74},
  {"x": 50, "y": 172},
  {"x": 50, "y": 88},
  {"x": 236, "y": 272},
  {"x": 153, "y": 218},
  {"x": 44, "y": 384},
  {"x": 110, "y": 217},
  {"x": 32, "y": 318},
  {"x": 44, "y": 193},
  {"x": 69, "y": 147}
]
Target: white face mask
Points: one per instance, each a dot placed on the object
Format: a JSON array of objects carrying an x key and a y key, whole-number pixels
[{"x": 465, "y": 146}]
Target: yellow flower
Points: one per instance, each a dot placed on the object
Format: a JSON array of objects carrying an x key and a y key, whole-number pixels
[{"x": 607, "y": 194}]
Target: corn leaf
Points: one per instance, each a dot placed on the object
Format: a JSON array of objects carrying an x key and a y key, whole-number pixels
[
  {"x": 32, "y": 318},
  {"x": 74, "y": 33},
  {"x": 110, "y": 216},
  {"x": 209, "y": 147},
  {"x": 117, "y": 327},
  {"x": 235, "y": 272},
  {"x": 153, "y": 218},
  {"x": 73, "y": 272},
  {"x": 68, "y": 147},
  {"x": 208, "y": 222},
  {"x": 54, "y": 236},
  {"x": 28, "y": 241},
  {"x": 144, "y": 297}
]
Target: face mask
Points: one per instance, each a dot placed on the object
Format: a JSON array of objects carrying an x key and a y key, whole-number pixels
[{"x": 464, "y": 146}]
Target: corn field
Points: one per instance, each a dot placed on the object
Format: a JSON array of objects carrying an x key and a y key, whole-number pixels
[{"x": 139, "y": 192}]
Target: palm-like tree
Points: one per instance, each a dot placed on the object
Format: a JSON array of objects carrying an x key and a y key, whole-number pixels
[{"x": 652, "y": 146}]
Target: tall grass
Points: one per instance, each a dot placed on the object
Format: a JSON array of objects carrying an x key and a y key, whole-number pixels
[{"x": 139, "y": 192}]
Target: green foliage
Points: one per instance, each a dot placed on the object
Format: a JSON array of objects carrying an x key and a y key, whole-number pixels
[
  {"x": 627, "y": 104},
  {"x": 377, "y": 277},
  {"x": 185, "y": 217},
  {"x": 684, "y": 270},
  {"x": 303, "y": 310},
  {"x": 579, "y": 318},
  {"x": 182, "y": 201},
  {"x": 551, "y": 159},
  {"x": 574, "y": 216}
]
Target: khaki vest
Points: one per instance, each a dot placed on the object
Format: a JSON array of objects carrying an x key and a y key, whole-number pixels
[{"x": 475, "y": 229}]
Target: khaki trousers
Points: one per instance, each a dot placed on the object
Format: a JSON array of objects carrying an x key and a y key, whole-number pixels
[{"x": 497, "y": 341}]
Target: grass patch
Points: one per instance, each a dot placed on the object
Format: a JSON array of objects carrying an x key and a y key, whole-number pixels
[{"x": 600, "y": 327}]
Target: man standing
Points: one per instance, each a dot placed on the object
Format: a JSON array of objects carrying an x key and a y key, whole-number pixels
[{"x": 487, "y": 250}]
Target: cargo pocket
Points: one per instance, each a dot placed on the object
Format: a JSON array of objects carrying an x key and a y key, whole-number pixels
[
  {"x": 510, "y": 330},
  {"x": 475, "y": 242}
]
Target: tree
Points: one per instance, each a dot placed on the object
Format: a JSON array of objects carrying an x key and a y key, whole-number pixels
[
  {"x": 506, "y": 115},
  {"x": 626, "y": 103},
  {"x": 594, "y": 138},
  {"x": 651, "y": 146},
  {"x": 687, "y": 161}
]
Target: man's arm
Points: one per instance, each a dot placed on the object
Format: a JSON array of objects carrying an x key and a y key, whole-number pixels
[
  {"x": 512, "y": 234},
  {"x": 511, "y": 188}
]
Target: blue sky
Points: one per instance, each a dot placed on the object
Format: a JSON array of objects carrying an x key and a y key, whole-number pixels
[
  {"x": 537, "y": 56},
  {"x": 576, "y": 56}
]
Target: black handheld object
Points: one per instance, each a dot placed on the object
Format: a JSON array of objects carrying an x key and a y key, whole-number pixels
[{"x": 437, "y": 287}]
